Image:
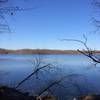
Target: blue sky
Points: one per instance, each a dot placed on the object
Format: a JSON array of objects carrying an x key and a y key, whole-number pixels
[{"x": 49, "y": 21}]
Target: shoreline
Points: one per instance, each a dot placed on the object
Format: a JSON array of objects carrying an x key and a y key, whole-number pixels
[{"x": 40, "y": 51}]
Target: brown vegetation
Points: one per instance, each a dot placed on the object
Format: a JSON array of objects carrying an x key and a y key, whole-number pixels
[{"x": 39, "y": 51}]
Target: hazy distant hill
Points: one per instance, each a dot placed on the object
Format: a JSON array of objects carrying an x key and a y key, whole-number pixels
[{"x": 38, "y": 51}]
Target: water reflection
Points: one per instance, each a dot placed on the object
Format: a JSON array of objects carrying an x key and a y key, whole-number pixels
[{"x": 15, "y": 68}]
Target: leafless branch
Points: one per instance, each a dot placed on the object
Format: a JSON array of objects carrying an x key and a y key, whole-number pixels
[
  {"x": 5, "y": 9},
  {"x": 87, "y": 52},
  {"x": 33, "y": 73},
  {"x": 57, "y": 83},
  {"x": 91, "y": 56}
]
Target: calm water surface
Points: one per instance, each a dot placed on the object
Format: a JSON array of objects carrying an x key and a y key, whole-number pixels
[{"x": 85, "y": 76}]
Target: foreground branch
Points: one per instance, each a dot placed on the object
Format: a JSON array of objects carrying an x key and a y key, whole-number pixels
[
  {"x": 32, "y": 74},
  {"x": 57, "y": 82},
  {"x": 87, "y": 52}
]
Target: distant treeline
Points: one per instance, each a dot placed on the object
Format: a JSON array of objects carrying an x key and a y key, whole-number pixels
[{"x": 39, "y": 51}]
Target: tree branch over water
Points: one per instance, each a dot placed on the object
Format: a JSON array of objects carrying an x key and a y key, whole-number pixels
[
  {"x": 32, "y": 74},
  {"x": 86, "y": 51},
  {"x": 57, "y": 83},
  {"x": 38, "y": 67}
]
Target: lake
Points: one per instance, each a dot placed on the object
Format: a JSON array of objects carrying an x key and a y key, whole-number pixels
[{"x": 82, "y": 76}]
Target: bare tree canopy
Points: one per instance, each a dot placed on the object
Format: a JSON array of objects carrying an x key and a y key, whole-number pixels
[
  {"x": 9, "y": 7},
  {"x": 96, "y": 15}
]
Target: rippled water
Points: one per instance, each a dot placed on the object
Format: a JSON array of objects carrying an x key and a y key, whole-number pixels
[{"x": 83, "y": 78}]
